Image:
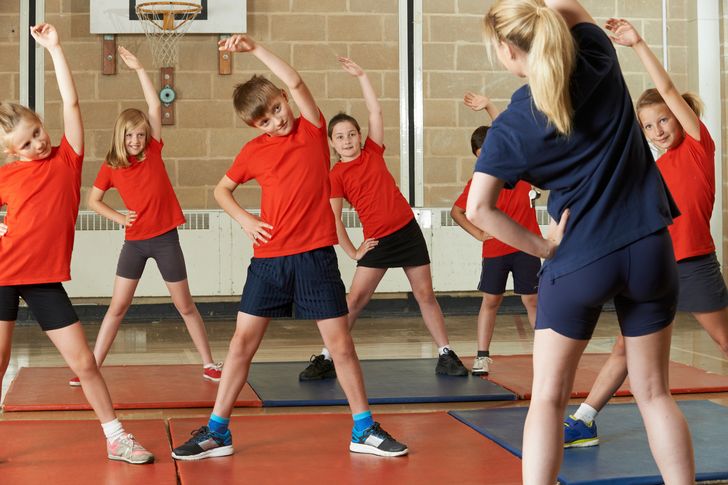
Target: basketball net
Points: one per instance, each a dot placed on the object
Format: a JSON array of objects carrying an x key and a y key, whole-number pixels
[{"x": 164, "y": 24}]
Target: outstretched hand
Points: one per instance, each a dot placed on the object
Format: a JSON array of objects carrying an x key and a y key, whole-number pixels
[
  {"x": 350, "y": 66},
  {"x": 46, "y": 35},
  {"x": 623, "y": 32},
  {"x": 237, "y": 43},
  {"x": 129, "y": 59},
  {"x": 476, "y": 102}
]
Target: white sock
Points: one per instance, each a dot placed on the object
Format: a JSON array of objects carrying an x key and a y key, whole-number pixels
[
  {"x": 325, "y": 353},
  {"x": 586, "y": 413},
  {"x": 113, "y": 429},
  {"x": 441, "y": 350}
]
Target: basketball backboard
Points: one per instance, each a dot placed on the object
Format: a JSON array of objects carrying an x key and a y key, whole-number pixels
[{"x": 217, "y": 17}]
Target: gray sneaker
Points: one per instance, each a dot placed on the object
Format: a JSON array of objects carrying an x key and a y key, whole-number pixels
[
  {"x": 126, "y": 448},
  {"x": 481, "y": 366}
]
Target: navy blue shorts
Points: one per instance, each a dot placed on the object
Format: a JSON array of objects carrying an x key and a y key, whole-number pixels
[
  {"x": 702, "y": 289},
  {"x": 48, "y": 302},
  {"x": 310, "y": 280},
  {"x": 495, "y": 271},
  {"x": 641, "y": 278}
]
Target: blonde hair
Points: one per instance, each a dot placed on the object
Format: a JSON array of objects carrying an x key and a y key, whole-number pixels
[
  {"x": 129, "y": 119},
  {"x": 10, "y": 116},
  {"x": 251, "y": 98},
  {"x": 543, "y": 34},
  {"x": 652, "y": 96}
]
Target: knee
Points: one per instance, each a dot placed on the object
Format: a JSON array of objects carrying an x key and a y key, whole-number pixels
[
  {"x": 186, "y": 308},
  {"x": 491, "y": 303},
  {"x": 530, "y": 301},
  {"x": 118, "y": 309},
  {"x": 241, "y": 347},
  {"x": 84, "y": 364},
  {"x": 343, "y": 350},
  {"x": 424, "y": 296},
  {"x": 619, "y": 350},
  {"x": 356, "y": 301}
]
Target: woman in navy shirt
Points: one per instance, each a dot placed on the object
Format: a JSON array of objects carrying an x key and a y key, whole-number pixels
[{"x": 572, "y": 130}]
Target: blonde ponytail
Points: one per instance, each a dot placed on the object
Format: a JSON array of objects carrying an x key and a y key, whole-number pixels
[{"x": 543, "y": 34}]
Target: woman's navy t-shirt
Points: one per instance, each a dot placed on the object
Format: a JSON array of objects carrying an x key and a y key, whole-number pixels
[{"x": 603, "y": 171}]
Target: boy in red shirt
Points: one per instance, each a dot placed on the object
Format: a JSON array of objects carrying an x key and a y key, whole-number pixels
[
  {"x": 294, "y": 259},
  {"x": 499, "y": 259}
]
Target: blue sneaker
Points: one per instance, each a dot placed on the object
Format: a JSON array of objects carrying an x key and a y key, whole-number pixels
[
  {"x": 204, "y": 444},
  {"x": 375, "y": 441},
  {"x": 578, "y": 434}
]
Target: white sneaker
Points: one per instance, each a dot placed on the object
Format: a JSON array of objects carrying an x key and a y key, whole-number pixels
[{"x": 481, "y": 366}]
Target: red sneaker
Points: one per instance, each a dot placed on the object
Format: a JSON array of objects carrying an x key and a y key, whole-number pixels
[
  {"x": 212, "y": 372},
  {"x": 74, "y": 382}
]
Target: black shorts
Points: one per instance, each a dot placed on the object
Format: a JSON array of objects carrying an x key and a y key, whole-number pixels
[
  {"x": 310, "y": 280},
  {"x": 702, "y": 289},
  {"x": 403, "y": 248},
  {"x": 164, "y": 249},
  {"x": 525, "y": 268},
  {"x": 48, "y": 302},
  {"x": 641, "y": 278}
]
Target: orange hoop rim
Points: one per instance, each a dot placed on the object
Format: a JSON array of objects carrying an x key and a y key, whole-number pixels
[{"x": 185, "y": 7}]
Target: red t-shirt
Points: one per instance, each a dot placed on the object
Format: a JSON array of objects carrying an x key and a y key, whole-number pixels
[
  {"x": 42, "y": 199},
  {"x": 689, "y": 173},
  {"x": 515, "y": 204},
  {"x": 292, "y": 172},
  {"x": 145, "y": 188},
  {"x": 367, "y": 184}
]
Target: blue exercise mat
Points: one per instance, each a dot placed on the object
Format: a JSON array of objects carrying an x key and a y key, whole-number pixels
[
  {"x": 623, "y": 455},
  {"x": 392, "y": 381}
]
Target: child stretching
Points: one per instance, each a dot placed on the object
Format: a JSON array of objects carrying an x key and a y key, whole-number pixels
[
  {"x": 499, "y": 259},
  {"x": 135, "y": 168},
  {"x": 392, "y": 237},
  {"x": 294, "y": 262},
  {"x": 41, "y": 190},
  {"x": 670, "y": 121}
]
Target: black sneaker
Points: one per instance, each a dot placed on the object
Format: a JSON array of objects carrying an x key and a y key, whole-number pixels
[
  {"x": 319, "y": 368},
  {"x": 449, "y": 364},
  {"x": 375, "y": 441},
  {"x": 204, "y": 444}
]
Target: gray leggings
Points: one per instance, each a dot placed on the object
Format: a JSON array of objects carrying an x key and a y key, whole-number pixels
[{"x": 164, "y": 249}]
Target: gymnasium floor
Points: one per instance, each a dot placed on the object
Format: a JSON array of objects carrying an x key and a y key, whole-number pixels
[{"x": 166, "y": 342}]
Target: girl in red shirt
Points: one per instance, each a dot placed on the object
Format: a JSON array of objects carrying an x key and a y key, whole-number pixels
[
  {"x": 41, "y": 192},
  {"x": 135, "y": 168},
  {"x": 671, "y": 121},
  {"x": 392, "y": 237}
]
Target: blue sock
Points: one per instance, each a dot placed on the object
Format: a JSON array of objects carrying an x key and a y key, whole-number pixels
[
  {"x": 362, "y": 421},
  {"x": 218, "y": 425}
]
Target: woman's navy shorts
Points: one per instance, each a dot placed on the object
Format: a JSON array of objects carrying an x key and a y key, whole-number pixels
[{"x": 642, "y": 279}]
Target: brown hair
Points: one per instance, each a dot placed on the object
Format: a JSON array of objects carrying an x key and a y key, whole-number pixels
[
  {"x": 10, "y": 115},
  {"x": 652, "y": 96},
  {"x": 340, "y": 117},
  {"x": 129, "y": 119},
  {"x": 478, "y": 138},
  {"x": 543, "y": 34},
  {"x": 251, "y": 98}
]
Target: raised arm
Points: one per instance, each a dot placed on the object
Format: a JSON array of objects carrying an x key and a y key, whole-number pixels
[
  {"x": 352, "y": 251},
  {"x": 478, "y": 102},
  {"x": 258, "y": 231},
  {"x": 46, "y": 36},
  {"x": 572, "y": 11},
  {"x": 290, "y": 77},
  {"x": 376, "y": 124},
  {"x": 96, "y": 203},
  {"x": 154, "y": 106},
  {"x": 482, "y": 211},
  {"x": 624, "y": 33}
]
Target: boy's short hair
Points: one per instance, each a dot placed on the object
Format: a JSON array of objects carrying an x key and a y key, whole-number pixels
[
  {"x": 341, "y": 116},
  {"x": 477, "y": 138},
  {"x": 251, "y": 98}
]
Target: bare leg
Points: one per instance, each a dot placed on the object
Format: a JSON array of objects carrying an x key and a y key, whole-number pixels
[
  {"x": 71, "y": 343},
  {"x": 716, "y": 324},
  {"x": 611, "y": 376},
  {"x": 530, "y": 302},
  {"x": 337, "y": 339},
  {"x": 667, "y": 431},
  {"x": 363, "y": 284},
  {"x": 486, "y": 319},
  {"x": 6, "y": 342},
  {"x": 121, "y": 299},
  {"x": 249, "y": 331},
  {"x": 182, "y": 299},
  {"x": 555, "y": 359},
  {"x": 420, "y": 280}
]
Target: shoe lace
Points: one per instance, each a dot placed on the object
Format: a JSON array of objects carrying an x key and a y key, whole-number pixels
[
  {"x": 200, "y": 434},
  {"x": 450, "y": 354},
  {"x": 317, "y": 360},
  {"x": 376, "y": 430}
]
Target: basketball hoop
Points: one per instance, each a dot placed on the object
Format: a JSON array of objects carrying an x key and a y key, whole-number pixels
[{"x": 164, "y": 24}]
